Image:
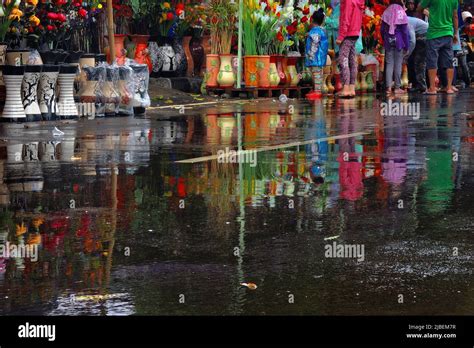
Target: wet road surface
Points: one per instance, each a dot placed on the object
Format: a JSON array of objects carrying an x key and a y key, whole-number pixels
[{"x": 145, "y": 216}]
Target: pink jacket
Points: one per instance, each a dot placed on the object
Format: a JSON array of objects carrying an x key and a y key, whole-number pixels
[{"x": 350, "y": 20}]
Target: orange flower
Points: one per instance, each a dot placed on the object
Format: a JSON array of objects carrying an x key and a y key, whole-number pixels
[{"x": 16, "y": 14}]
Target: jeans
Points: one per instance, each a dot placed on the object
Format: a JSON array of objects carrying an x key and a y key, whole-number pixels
[{"x": 393, "y": 68}]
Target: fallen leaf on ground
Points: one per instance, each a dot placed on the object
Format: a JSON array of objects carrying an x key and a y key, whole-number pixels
[{"x": 251, "y": 286}]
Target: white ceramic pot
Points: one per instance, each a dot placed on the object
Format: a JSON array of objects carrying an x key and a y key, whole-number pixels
[
  {"x": 226, "y": 77},
  {"x": 13, "y": 109},
  {"x": 47, "y": 92},
  {"x": 67, "y": 108},
  {"x": 29, "y": 94}
]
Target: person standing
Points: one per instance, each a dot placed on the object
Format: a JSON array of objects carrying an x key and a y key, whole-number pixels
[
  {"x": 350, "y": 24},
  {"x": 316, "y": 52},
  {"x": 417, "y": 53},
  {"x": 396, "y": 41},
  {"x": 443, "y": 23}
]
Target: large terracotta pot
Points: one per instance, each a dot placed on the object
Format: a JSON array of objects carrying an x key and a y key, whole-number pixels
[
  {"x": 273, "y": 73},
  {"x": 142, "y": 55},
  {"x": 226, "y": 77},
  {"x": 212, "y": 69},
  {"x": 250, "y": 71},
  {"x": 263, "y": 65},
  {"x": 279, "y": 66},
  {"x": 197, "y": 54},
  {"x": 284, "y": 65},
  {"x": 120, "y": 51},
  {"x": 291, "y": 68}
]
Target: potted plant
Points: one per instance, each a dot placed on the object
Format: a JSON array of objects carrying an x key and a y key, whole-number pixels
[
  {"x": 167, "y": 54},
  {"x": 221, "y": 20},
  {"x": 265, "y": 22},
  {"x": 250, "y": 45}
]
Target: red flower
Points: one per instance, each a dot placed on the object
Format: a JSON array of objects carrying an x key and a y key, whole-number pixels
[
  {"x": 77, "y": 4},
  {"x": 61, "y": 2},
  {"x": 306, "y": 11},
  {"x": 304, "y": 19},
  {"x": 50, "y": 27},
  {"x": 178, "y": 12},
  {"x": 61, "y": 17},
  {"x": 169, "y": 16},
  {"x": 180, "y": 7},
  {"x": 82, "y": 13},
  {"x": 53, "y": 16},
  {"x": 291, "y": 29},
  {"x": 280, "y": 36}
]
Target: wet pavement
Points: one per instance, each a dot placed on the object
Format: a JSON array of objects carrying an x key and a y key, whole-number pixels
[{"x": 145, "y": 216}]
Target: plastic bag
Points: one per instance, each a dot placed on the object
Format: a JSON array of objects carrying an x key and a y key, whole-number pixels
[
  {"x": 91, "y": 91},
  {"x": 111, "y": 90},
  {"x": 141, "y": 79},
  {"x": 126, "y": 88},
  {"x": 34, "y": 58}
]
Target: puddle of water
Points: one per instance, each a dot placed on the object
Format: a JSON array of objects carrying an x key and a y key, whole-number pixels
[{"x": 121, "y": 226}]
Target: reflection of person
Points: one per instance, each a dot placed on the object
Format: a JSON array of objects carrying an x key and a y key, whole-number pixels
[
  {"x": 350, "y": 166},
  {"x": 316, "y": 52},
  {"x": 439, "y": 39}
]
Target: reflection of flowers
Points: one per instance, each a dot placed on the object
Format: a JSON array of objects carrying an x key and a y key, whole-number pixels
[
  {"x": 21, "y": 229},
  {"x": 37, "y": 222}
]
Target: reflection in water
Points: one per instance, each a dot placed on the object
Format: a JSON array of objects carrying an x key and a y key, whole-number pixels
[{"x": 123, "y": 228}]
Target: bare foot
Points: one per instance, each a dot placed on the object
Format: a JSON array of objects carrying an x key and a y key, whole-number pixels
[{"x": 399, "y": 91}]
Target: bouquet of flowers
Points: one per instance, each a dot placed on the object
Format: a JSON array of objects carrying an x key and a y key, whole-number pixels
[{"x": 18, "y": 20}]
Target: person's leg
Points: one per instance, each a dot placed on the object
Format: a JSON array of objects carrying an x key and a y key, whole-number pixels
[
  {"x": 317, "y": 79},
  {"x": 411, "y": 69},
  {"x": 443, "y": 77},
  {"x": 353, "y": 65},
  {"x": 344, "y": 50},
  {"x": 446, "y": 56},
  {"x": 420, "y": 64},
  {"x": 389, "y": 66},
  {"x": 432, "y": 47},
  {"x": 397, "y": 70}
]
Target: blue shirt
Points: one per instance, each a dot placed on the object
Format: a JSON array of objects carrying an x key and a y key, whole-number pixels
[{"x": 316, "y": 48}]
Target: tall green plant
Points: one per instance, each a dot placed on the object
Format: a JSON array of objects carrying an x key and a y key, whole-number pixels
[
  {"x": 265, "y": 32},
  {"x": 249, "y": 34},
  {"x": 221, "y": 24},
  {"x": 6, "y": 21}
]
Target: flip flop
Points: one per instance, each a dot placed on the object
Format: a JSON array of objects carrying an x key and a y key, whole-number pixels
[{"x": 430, "y": 93}]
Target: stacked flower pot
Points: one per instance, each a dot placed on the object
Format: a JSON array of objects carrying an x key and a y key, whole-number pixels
[{"x": 39, "y": 87}]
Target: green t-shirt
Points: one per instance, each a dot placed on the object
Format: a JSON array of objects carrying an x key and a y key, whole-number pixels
[{"x": 441, "y": 17}]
